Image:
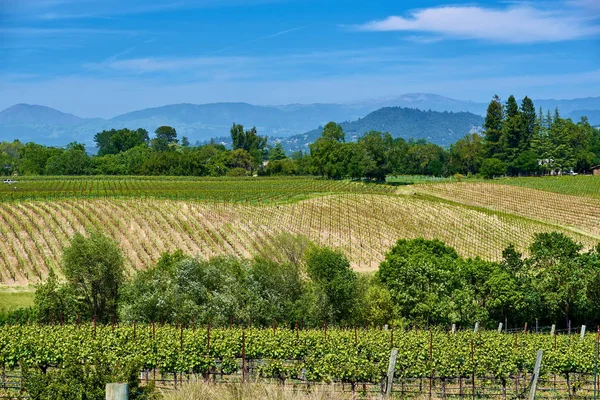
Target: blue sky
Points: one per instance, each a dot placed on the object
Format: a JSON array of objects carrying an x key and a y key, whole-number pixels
[{"x": 106, "y": 57}]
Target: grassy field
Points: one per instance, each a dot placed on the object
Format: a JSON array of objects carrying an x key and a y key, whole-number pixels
[
  {"x": 583, "y": 185},
  {"x": 242, "y": 216},
  {"x": 14, "y": 298},
  {"x": 239, "y": 190}
]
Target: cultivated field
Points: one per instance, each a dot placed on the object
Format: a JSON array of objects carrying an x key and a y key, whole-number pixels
[
  {"x": 239, "y": 217},
  {"x": 581, "y": 214}
]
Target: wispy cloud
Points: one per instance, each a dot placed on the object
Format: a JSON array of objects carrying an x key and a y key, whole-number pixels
[
  {"x": 28, "y": 31},
  {"x": 149, "y": 64},
  {"x": 102, "y": 9},
  {"x": 280, "y": 33},
  {"x": 515, "y": 24}
]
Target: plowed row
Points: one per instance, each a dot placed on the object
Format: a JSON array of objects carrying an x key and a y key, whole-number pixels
[
  {"x": 364, "y": 226},
  {"x": 579, "y": 213}
]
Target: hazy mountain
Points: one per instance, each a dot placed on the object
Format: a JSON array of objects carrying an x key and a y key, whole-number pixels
[
  {"x": 26, "y": 114},
  {"x": 424, "y": 101},
  {"x": 593, "y": 116},
  {"x": 200, "y": 122},
  {"x": 442, "y": 128},
  {"x": 566, "y": 107}
]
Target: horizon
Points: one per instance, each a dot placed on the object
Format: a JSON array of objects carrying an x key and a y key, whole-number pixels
[
  {"x": 289, "y": 104},
  {"x": 105, "y": 58}
]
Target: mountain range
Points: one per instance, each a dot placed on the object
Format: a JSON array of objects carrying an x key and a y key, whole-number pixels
[{"x": 292, "y": 123}]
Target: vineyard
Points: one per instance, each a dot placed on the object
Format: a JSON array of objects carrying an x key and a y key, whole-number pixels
[
  {"x": 363, "y": 226},
  {"x": 586, "y": 186},
  {"x": 240, "y": 217},
  {"x": 245, "y": 190},
  {"x": 578, "y": 213},
  {"x": 479, "y": 364}
]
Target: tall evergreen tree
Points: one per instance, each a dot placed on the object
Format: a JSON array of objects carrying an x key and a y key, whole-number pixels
[
  {"x": 529, "y": 123},
  {"x": 512, "y": 131},
  {"x": 493, "y": 126},
  {"x": 512, "y": 108}
]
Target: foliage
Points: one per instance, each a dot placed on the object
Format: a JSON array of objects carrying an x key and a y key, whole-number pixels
[
  {"x": 93, "y": 267},
  {"x": 430, "y": 283},
  {"x": 117, "y": 141},
  {"x": 331, "y": 272},
  {"x": 348, "y": 355},
  {"x": 77, "y": 381},
  {"x": 492, "y": 168}
]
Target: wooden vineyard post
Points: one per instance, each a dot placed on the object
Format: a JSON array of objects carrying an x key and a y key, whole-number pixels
[
  {"x": 430, "y": 362},
  {"x": 476, "y": 327},
  {"x": 500, "y": 327},
  {"x": 117, "y": 391},
  {"x": 552, "y": 329},
  {"x": 596, "y": 365},
  {"x": 243, "y": 355},
  {"x": 208, "y": 338},
  {"x": 181, "y": 338},
  {"x": 536, "y": 374},
  {"x": 473, "y": 366},
  {"x": 390, "y": 372},
  {"x": 582, "y": 332}
]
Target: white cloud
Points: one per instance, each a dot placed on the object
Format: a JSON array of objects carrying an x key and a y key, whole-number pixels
[{"x": 520, "y": 24}]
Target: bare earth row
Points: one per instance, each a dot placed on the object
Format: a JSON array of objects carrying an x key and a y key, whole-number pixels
[
  {"x": 579, "y": 213},
  {"x": 363, "y": 226}
]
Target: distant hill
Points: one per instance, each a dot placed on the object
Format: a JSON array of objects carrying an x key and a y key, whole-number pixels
[
  {"x": 424, "y": 101},
  {"x": 200, "y": 122},
  {"x": 593, "y": 116},
  {"x": 443, "y": 128},
  {"x": 26, "y": 114}
]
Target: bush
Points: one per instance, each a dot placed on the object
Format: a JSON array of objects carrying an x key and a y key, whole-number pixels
[
  {"x": 492, "y": 167},
  {"x": 76, "y": 382}
]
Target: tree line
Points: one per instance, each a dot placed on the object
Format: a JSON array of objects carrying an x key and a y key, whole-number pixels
[
  {"x": 420, "y": 282},
  {"x": 516, "y": 141}
]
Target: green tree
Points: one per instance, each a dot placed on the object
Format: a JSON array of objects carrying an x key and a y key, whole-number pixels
[
  {"x": 94, "y": 267},
  {"x": 493, "y": 126},
  {"x": 328, "y": 153},
  {"x": 421, "y": 276},
  {"x": 73, "y": 161},
  {"x": 165, "y": 137},
  {"x": 467, "y": 154},
  {"x": 561, "y": 278},
  {"x": 250, "y": 141},
  {"x": 529, "y": 123},
  {"x": 331, "y": 271},
  {"x": 54, "y": 302},
  {"x": 33, "y": 158},
  {"x": 116, "y": 141},
  {"x": 277, "y": 153},
  {"x": 376, "y": 146},
  {"x": 492, "y": 167}
]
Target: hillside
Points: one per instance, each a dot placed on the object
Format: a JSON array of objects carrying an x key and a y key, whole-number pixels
[
  {"x": 200, "y": 122},
  {"x": 441, "y": 128},
  {"x": 26, "y": 114},
  {"x": 238, "y": 217}
]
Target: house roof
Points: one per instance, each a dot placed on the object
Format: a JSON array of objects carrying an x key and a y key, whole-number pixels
[{"x": 596, "y": 167}]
